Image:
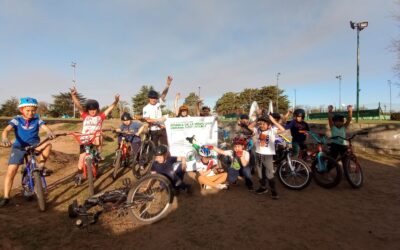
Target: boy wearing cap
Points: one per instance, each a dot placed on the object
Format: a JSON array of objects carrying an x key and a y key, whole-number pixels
[{"x": 153, "y": 115}]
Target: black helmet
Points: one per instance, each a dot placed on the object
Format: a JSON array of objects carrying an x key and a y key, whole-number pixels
[
  {"x": 338, "y": 118},
  {"x": 205, "y": 107},
  {"x": 299, "y": 112},
  {"x": 276, "y": 116},
  {"x": 91, "y": 105},
  {"x": 126, "y": 116},
  {"x": 244, "y": 116},
  {"x": 153, "y": 94},
  {"x": 161, "y": 150},
  {"x": 264, "y": 118}
]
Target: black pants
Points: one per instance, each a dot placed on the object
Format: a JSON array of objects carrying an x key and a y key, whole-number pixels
[{"x": 159, "y": 137}]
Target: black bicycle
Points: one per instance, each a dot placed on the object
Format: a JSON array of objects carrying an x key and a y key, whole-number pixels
[{"x": 146, "y": 201}]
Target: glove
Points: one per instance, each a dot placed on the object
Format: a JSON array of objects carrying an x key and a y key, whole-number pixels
[
  {"x": 6, "y": 142},
  {"x": 50, "y": 135}
]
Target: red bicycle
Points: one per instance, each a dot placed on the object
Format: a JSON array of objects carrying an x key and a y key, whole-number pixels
[
  {"x": 122, "y": 154},
  {"x": 91, "y": 159}
]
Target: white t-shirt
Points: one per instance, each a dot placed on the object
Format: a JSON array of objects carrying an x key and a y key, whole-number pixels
[
  {"x": 202, "y": 167},
  {"x": 153, "y": 112},
  {"x": 91, "y": 125},
  {"x": 265, "y": 141}
]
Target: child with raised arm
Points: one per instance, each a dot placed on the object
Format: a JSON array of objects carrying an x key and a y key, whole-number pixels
[
  {"x": 92, "y": 123},
  {"x": 298, "y": 128},
  {"x": 338, "y": 128},
  {"x": 183, "y": 110},
  {"x": 26, "y": 128},
  {"x": 265, "y": 150}
]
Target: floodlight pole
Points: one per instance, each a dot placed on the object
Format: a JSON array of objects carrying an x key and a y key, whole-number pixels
[
  {"x": 390, "y": 97},
  {"x": 359, "y": 26},
  {"x": 277, "y": 92},
  {"x": 340, "y": 90},
  {"x": 73, "y": 65}
]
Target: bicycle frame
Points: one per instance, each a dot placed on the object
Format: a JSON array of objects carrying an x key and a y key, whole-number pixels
[{"x": 30, "y": 167}]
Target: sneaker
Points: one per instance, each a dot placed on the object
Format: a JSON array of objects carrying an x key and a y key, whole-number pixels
[
  {"x": 222, "y": 186},
  {"x": 261, "y": 190},
  {"x": 78, "y": 180},
  {"x": 46, "y": 171},
  {"x": 4, "y": 202},
  {"x": 274, "y": 195}
]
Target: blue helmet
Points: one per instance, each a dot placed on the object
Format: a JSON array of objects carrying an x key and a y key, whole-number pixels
[
  {"x": 205, "y": 152},
  {"x": 27, "y": 102}
]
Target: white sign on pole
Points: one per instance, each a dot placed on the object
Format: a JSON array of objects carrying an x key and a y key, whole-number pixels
[{"x": 204, "y": 129}]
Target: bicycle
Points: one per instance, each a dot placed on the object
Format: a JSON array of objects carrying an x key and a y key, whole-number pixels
[
  {"x": 122, "y": 154},
  {"x": 33, "y": 179},
  {"x": 146, "y": 201},
  {"x": 351, "y": 167},
  {"x": 141, "y": 162},
  {"x": 91, "y": 157},
  {"x": 326, "y": 171},
  {"x": 292, "y": 172}
]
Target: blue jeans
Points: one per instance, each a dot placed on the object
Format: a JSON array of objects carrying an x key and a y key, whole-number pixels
[{"x": 243, "y": 171}]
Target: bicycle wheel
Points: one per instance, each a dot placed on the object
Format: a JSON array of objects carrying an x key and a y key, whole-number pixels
[
  {"x": 117, "y": 164},
  {"x": 353, "y": 172},
  {"x": 89, "y": 173},
  {"x": 150, "y": 199},
  {"x": 330, "y": 177},
  {"x": 296, "y": 179},
  {"x": 145, "y": 159},
  {"x": 39, "y": 190}
]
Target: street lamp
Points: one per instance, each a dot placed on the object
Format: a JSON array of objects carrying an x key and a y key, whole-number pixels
[
  {"x": 73, "y": 65},
  {"x": 340, "y": 87},
  {"x": 277, "y": 91},
  {"x": 359, "y": 26}
]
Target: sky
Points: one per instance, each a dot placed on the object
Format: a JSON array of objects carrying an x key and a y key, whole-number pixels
[{"x": 219, "y": 46}]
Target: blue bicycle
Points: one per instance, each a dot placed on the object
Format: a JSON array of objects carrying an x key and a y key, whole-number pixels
[{"x": 33, "y": 178}]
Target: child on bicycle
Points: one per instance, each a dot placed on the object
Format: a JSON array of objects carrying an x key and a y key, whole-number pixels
[
  {"x": 92, "y": 124},
  {"x": 134, "y": 129},
  {"x": 153, "y": 115},
  {"x": 265, "y": 150},
  {"x": 174, "y": 168},
  {"x": 298, "y": 128},
  {"x": 26, "y": 128},
  {"x": 239, "y": 159},
  {"x": 338, "y": 126}
]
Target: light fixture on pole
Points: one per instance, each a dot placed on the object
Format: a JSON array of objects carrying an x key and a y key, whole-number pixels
[
  {"x": 359, "y": 26},
  {"x": 277, "y": 91},
  {"x": 340, "y": 90},
  {"x": 73, "y": 65}
]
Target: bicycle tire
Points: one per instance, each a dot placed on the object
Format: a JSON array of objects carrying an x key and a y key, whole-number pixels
[
  {"x": 330, "y": 178},
  {"x": 39, "y": 191},
  {"x": 89, "y": 173},
  {"x": 301, "y": 175},
  {"x": 117, "y": 164},
  {"x": 145, "y": 159},
  {"x": 136, "y": 197},
  {"x": 353, "y": 172}
]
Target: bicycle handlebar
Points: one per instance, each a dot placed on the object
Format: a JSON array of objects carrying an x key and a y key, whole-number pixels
[{"x": 350, "y": 137}]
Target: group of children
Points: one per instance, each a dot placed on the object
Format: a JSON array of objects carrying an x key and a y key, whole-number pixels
[{"x": 238, "y": 161}]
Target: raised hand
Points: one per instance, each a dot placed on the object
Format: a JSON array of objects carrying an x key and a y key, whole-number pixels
[
  {"x": 116, "y": 98},
  {"x": 349, "y": 108},
  {"x": 169, "y": 80},
  {"x": 73, "y": 90},
  {"x": 178, "y": 95}
]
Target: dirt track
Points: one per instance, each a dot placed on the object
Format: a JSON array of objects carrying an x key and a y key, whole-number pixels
[{"x": 315, "y": 218}]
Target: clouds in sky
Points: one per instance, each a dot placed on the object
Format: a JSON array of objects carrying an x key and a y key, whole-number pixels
[{"x": 218, "y": 45}]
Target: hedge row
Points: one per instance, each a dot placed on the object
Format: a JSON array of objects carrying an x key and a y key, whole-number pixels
[{"x": 395, "y": 117}]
